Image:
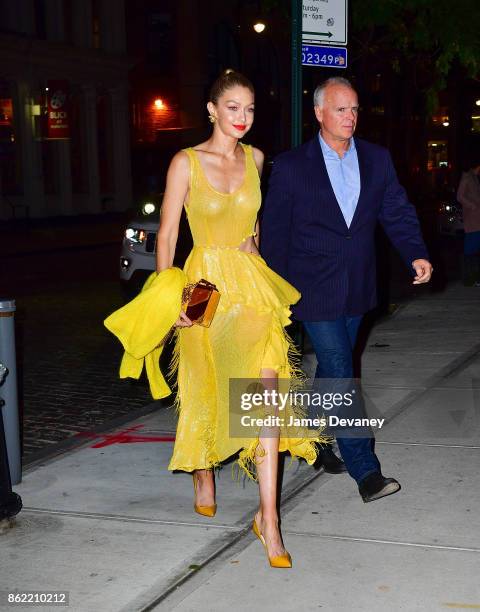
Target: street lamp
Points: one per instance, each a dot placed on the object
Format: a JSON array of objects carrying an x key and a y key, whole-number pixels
[{"x": 259, "y": 27}]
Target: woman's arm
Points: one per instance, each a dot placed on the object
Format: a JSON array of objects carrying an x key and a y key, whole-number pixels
[{"x": 176, "y": 191}]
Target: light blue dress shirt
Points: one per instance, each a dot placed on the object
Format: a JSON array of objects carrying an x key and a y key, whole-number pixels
[{"x": 344, "y": 175}]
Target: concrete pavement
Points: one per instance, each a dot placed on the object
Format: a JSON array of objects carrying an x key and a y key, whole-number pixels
[{"x": 109, "y": 524}]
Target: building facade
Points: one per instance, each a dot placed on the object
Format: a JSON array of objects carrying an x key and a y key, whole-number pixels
[
  {"x": 78, "y": 49},
  {"x": 178, "y": 48}
]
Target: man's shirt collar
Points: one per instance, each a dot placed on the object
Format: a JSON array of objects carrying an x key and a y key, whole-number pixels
[{"x": 329, "y": 153}]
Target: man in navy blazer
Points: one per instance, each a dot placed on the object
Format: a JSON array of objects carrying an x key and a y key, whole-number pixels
[{"x": 324, "y": 201}]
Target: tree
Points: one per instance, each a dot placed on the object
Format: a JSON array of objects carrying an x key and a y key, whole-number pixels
[
  {"x": 432, "y": 35},
  {"x": 425, "y": 46}
]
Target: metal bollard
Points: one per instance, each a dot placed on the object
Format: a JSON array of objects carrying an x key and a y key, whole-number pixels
[{"x": 9, "y": 389}]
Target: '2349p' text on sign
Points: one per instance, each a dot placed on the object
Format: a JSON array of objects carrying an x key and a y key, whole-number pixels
[{"x": 331, "y": 57}]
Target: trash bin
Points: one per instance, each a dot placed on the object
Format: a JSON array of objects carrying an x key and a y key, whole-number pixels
[
  {"x": 9, "y": 389},
  {"x": 10, "y": 502}
]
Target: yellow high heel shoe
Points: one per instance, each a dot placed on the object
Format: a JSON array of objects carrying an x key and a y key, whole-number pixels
[
  {"x": 278, "y": 561},
  {"x": 203, "y": 510}
]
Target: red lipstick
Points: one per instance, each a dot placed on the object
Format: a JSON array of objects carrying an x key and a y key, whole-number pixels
[{"x": 240, "y": 127}]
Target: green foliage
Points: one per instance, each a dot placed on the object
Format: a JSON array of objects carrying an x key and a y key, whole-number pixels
[
  {"x": 432, "y": 33},
  {"x": 282, "y": 7},
  {"x": 433, "y": 36}
]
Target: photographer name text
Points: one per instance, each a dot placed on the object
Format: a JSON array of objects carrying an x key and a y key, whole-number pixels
[{"x": 311, "y": 422}]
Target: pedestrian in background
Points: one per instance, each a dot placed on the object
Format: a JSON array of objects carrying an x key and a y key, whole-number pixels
[{"x": 469, "y": 197}]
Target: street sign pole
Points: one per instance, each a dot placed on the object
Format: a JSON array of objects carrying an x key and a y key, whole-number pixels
[
  {"x": 296, "y": 130},
  {"x": 296, "y": 127}
]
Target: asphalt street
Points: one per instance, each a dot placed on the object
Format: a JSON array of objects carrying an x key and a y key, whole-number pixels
[{"x": 67, "y": 362}]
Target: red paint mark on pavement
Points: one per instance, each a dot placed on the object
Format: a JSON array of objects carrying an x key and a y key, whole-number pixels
[{"x": 123, "y": 437}]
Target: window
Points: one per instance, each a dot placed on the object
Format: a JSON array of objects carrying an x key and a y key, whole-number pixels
[
  {"x": 10, "y": 169},
  {"x": 50, "y": 181},
  {"x": 40, "y": 19},
  {"x": 96, "y": 21},
  {"x": 160, "y": 43},
  {"x": 77, "y": 144},
  {"x": 104, "y": 139},
  {"x": 223, "y": 50},
  {"x": 437, "y": 154},
  {"x": 68, "y": 21}
]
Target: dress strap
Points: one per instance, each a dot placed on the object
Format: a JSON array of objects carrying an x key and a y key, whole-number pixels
[
  {"x": 251, "y": 166},
  {"x": 193, "y": 165}
]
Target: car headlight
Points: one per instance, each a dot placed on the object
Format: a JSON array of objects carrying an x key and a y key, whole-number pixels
[
  {"x": 137, "y": 236},
  {"x": 148, "y": 208}
]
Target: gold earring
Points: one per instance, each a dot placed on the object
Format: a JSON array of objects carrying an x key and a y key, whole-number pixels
[{"x": 211, "y": 118}]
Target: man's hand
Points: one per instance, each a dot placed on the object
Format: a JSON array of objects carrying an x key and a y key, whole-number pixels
[{"x": 423, "y": 269}]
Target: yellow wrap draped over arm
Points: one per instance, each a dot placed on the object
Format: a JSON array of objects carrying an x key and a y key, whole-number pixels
[{"x": 143, "y": 323}]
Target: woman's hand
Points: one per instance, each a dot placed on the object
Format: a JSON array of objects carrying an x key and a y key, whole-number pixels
[{"x": 183, "y": 320}]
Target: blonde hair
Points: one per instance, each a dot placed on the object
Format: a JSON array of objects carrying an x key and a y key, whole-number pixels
[{"x": 228, "y": 79}]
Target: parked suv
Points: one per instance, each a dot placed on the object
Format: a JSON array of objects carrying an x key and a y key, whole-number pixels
[{"x": 137, "y": 258}]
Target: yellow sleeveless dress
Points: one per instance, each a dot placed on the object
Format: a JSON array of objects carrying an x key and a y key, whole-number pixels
[{"x": 247, "y": 331}]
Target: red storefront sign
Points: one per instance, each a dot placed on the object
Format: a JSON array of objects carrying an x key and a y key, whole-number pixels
[
  {"x": 57, "y": 109},
  {"x": 6, "y": 112}
]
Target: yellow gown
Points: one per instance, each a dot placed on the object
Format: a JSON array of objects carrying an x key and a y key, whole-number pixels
[{"x": 247, "y": 331}]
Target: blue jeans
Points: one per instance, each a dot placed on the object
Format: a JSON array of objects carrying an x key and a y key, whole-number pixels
[
  {"x": 333, "y": 343},
  {"x": 471, "y": 243}
]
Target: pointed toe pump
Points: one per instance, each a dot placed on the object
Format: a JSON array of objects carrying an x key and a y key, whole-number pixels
[
  {"x": 209, "y": 511},
  {"x": 280, "y": 561}
]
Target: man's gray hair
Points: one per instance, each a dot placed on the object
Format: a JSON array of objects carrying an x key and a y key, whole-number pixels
[{"x": 319, "y": 93}]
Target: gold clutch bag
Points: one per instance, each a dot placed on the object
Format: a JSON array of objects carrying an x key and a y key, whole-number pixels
[{"x": 200, "y": 301}]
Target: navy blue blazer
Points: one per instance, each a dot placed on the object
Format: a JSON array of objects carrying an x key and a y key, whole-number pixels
[{"x": 305, "y": 239}]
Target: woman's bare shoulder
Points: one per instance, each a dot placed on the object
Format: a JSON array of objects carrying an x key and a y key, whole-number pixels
[
  {"x": 258, "y": 155},
  {"x": 180, "y": 162}
]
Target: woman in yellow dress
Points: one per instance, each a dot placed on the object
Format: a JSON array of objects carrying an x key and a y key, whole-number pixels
[{"x": 218, "y": 183}]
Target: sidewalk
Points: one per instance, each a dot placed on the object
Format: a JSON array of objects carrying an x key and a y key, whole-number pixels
[{"x": 109, "y": 524}]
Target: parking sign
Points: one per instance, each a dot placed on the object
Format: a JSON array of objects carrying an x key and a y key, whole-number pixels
[{"x": 327, "y": 57}]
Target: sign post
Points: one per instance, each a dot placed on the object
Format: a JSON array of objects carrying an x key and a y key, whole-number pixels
[
  {"x": 316, "y": 26},
  {"x": 296, "y": 128}
]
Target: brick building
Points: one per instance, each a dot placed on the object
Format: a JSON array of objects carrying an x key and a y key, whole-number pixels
[{"x": 78, "y": 46}]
